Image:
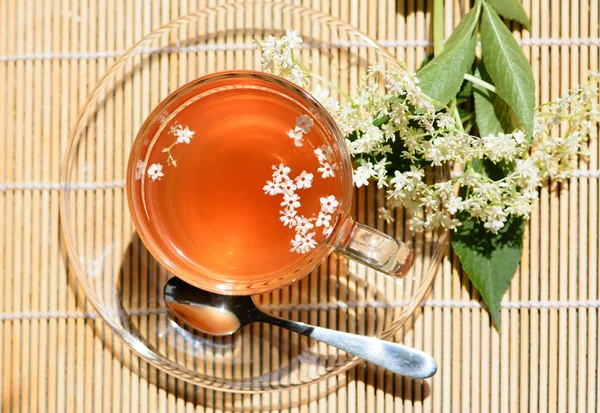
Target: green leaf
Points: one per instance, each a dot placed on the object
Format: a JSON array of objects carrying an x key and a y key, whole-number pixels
[
  {"x": 492, "y": 114},
  {"x": 508, "y": 67},
  {"x": 511, "y": 9},
  {"x": 490, "y": 260},
  {"x": 442, "y": 77}
]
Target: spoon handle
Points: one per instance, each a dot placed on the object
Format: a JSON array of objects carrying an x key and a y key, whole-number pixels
[{"x": 395, "y": 357}]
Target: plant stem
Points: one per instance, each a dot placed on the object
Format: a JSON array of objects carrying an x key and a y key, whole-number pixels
[
  {"x": 438, "y": 27},
  {"x": 480, "y": 82},
  {"x": 457, "y": 115}
]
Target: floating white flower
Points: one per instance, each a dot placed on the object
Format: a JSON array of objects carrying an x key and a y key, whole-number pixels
[
  {"x": 320, "y": 154},
  {"x": 303, "y": 243},
  {"x": 323, "y": 220},
  {"x": 282, "y": 184},
  {"x": 271, "y": 188},
  {"x": 291, "y": 201},
  {"x": 304, "y": 180},
  {"x": 326, "y": 171},
  {"x": 329, "y": 204},
  {"x": 303, "y": 225},
  {"x": 297, "y": 135},
  {"x": 288, "y": 217},
  {"x": 288, "y": 187},
  {"x": 280, "y": 173},
  {"x": 184, "y": 135},
  {"x": 304, "y": 123},
  {"x": 155, "y": 171}
]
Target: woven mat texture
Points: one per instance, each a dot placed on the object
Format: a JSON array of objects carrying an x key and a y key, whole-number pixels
[{"x": 55, "y": 357}]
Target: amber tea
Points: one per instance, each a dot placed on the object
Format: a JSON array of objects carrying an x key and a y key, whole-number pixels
[{"x": 241, "y": 184}]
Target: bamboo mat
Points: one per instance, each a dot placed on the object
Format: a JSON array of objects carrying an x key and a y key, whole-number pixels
[{"x": 56, "y": 355}]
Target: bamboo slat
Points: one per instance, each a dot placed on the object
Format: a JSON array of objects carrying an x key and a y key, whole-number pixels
[{"x": 51, "y": 55}]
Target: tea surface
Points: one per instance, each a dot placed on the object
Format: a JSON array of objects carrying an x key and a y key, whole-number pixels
[{"x": 247, "y": 191}]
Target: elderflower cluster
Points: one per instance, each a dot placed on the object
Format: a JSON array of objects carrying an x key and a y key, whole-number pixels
[
  {"x": 277, "y": 57},
  {"x": 398, "y": 136}
]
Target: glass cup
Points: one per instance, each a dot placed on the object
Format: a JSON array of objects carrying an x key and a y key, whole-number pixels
[{"x": 355, "y": 240}]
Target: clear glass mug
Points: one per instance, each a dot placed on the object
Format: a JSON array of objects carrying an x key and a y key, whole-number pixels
[{"x": 279, "y": 98}]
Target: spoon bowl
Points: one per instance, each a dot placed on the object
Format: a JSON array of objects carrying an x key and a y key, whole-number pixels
[{"x": 222, "y": 315}]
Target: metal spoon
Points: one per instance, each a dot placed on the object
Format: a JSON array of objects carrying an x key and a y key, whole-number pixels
[{"x": 222, "y": 315}]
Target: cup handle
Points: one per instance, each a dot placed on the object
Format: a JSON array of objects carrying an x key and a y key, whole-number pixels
[{"x": 377, "y": 250}]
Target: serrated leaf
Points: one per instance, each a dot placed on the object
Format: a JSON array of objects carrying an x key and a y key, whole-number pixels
[
  {"x": 492, "y": 114},
  {"x": 511, "y": 9},
  {"x": 508, "y": 67},
  {"x": 442, "y": 77},
  {"x": 490, "y": 260}
]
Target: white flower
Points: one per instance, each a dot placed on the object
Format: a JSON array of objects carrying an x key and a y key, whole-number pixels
[
  {"x": 371, "y": 70},
  {"x": 295, "y": 134},
  {"x": 288, "y": 187},
  {"x": 292, "y": 38},
  {"x": 303, "y": 225},
  {"x": 528, "y": 173},
  {"x": 417, "y": 224},
  {"x": 327, "y": 231},
  {"x": 271, "y": 188},
  {"x": 445, "y": 122},
  {"x": 155, "y": 171},
  {"x": 453, "y": 204},
  {"x": 303, "y": 243},
  {"x": 326, "y": 171},
  {"x": 299, "y": 76},
  {"x": 386, "y": 214},
  {"x": 280, "y": 173},
  {"x": 379, "y": 170},
  {"x": 320, "y": 94},
  {"x": 469, "y": 178},
  {"x": 304, "y": 123},
  {"x": 304, "y": 180},
  {"x": 323, "y": 220},
  {"x": 184, "y": 134},
  {"x": 329, "y": 204},
  {"x": 519, "y": 137},
  {"x": 362, "y": 174},
  {"x": 291, "y": 201},
  {"x": 389, "y": 131},
  {"x": 288, "y": 217},
  {"x": 361, "y": 177},
  {"x": 321, "y": 155},
  {"x": 140, "y": 167},
  {"x": 493, "y": 225}
]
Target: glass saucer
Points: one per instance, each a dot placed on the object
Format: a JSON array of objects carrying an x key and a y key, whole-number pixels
[{"x": 123, "y": 281}]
